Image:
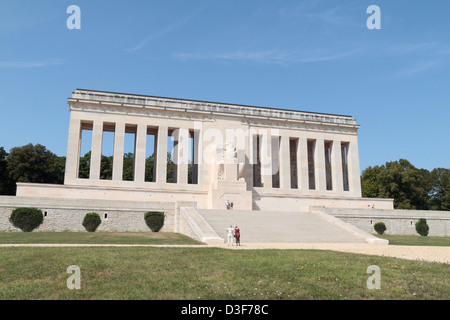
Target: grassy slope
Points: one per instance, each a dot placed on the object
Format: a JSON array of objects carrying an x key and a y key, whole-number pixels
[{"x": 213, "y": 273}]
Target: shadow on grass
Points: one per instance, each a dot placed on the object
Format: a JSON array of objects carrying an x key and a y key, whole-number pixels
[{"x": 148, "y": 238}]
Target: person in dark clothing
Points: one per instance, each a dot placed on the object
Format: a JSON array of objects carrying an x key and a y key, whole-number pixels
[{"x": 237, "y": 235}]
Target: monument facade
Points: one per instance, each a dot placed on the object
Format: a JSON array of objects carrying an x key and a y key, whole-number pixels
[
  {"x": 295, "y": 169},
  {"x": 208, "y": 153}
]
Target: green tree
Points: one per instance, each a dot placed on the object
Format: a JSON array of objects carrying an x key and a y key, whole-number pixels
[
  {"x": 106, "y": 167},
  {"x": 5, "y": 185},
  {"x": 170, "y": 168},
  {"x": 439, "y": 181},
  {"x": 370, "y": 185},
  {"x": 84, "y": 166},
  {"x": 128, "y": 166},
  {"x": 399, "y": 180},
  {"x": 190, "y": 172},
  {"x": 58, "y": 168},
  {"x": 149, "y": 167},
  {"x": 33, "y": 163}
]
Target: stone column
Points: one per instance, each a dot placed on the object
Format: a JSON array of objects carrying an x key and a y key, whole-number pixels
[
  {"x": 141, "y": 144},
  {"x": 276, "y": 163},
  {"x": 161, "y": 155},
  {"x": 247, "y": 166},
  {"x": 96, "y": 151},
  {"x": 354, "y": 178},
  {"x": 198, "y": 152},
  {"x": 302, "y": 164},
  {"x": 266, "y": 160},
  {"x": 119, "y": 141},
  {"x": 319, "y": 161},
  {"x": 73, "y": 151},
  {"x": 183, "y": 155},
  {"x": 285, "y": 164},
  {"x": 336, "y": 166}
]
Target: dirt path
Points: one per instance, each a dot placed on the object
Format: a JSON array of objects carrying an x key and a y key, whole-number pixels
[{"x": 424, "y": 253}]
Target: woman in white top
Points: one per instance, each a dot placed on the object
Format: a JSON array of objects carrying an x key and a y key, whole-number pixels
[{"x": 230, "y": 231}]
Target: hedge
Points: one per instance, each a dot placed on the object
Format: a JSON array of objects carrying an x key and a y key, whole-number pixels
[
  {"x": 154, "y": 220},
  {"x": 26, "y": 219},
  {"x": 422, "y": 227},
  {"x": 380, "y": 227},
  {"x": 91, "y": 221}
]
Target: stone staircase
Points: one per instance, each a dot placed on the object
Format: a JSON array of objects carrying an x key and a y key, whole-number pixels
[{"x": 278, "y": 226}]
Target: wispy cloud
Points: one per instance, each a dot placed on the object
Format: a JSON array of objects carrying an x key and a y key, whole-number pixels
[
  {"x": 32, "y": 64},
  {"x": 407, "y": 48},
  {"x": 417, "y": 68},
  {"x": 443, "y": 51},
  {"x": 318, "y": 11},
  {"x": 270, "y": 56},
  {"x": 419, "y": 57},
  {"x": 329, "y": 16},
  {"x": 160, "y": 33}
]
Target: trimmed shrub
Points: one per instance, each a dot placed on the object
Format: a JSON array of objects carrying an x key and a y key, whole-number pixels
[
  {"x": 91, "y": 221},
  {"x": 379, "y": 227},
  {"x": 422, "y": 227},
  {"x": 154, "y": 220},
  {"x": 26, "y": 219}
]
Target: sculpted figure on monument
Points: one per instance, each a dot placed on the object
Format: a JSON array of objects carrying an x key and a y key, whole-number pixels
[
  {"x": 230, "y": 154},
  {"x": 225, "y": 156}
]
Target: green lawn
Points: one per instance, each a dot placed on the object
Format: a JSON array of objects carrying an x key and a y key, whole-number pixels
[
  {"x": 213, "y": 274},
  {"x": 207, "y": 273},
  {"x": 416, "y": 240},
  {"x": 95, "y": 238},
  {"x": 164, "y": 238}
]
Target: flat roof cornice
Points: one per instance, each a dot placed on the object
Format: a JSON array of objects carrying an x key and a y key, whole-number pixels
[{"x": 187, "y": 105}]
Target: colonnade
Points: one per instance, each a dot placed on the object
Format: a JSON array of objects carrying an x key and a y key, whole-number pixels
[{"x": 284, "y": 161}]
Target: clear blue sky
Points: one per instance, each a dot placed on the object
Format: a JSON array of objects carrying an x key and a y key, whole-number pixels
[{"x": 312, "y": 55}]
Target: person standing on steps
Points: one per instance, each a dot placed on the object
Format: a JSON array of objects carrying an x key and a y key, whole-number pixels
[
  {"x": 230, "y": 232},
  {"x": 237, "y": 235}
]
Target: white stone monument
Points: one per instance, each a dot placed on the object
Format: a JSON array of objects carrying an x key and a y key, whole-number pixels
[{"x": 258, "y": 158}]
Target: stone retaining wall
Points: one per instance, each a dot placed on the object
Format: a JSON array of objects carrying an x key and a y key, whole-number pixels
[
  {"x": 400, "y": 222},
  {"x": 68, "y": 214},
  {"x": 122, "y": 216}
]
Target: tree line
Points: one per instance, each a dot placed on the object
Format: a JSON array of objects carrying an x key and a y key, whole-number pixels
[
  {"x": 30, "y": 163},
  {"x": 410, "y": 187},
  {"x": 106, "y": 168},
  {"x": 37, "y": 164}
]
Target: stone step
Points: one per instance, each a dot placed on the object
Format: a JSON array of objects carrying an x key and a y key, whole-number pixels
[{"x": 275, "y": 226}]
